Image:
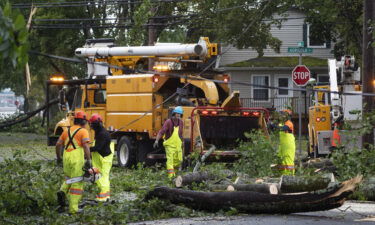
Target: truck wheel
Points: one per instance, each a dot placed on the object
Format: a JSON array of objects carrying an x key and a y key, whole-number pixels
[{"x": 126, "y": 156}]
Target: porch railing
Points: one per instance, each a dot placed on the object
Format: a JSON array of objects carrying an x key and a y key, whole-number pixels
[{"x": 279, "y": 103}]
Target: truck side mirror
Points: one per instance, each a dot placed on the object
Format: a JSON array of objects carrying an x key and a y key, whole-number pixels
[{"x": 62, "y": 100}]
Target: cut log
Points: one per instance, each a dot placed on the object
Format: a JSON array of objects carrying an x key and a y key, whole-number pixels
[
  {"x": 246, "y": 179},
  {"x": 317, "y": 163},
  {"x": 218, "y": 187},
  {"x": 261, "y": 188},
  {"x": 190, "y": 178},
  {"x": 320, "y": 165},
  {"x": 290, "y": 184},
  {"x": 254, "y": 202}
]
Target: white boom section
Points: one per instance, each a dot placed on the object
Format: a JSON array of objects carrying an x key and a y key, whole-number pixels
[
  {"x": 335, "y": 97},
  {"x": 159, "y": 50}
]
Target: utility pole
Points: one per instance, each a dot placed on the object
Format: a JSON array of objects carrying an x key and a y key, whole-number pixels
[
  {"x": 368, "y": 75},
  {"x": 151, "y": 36}
]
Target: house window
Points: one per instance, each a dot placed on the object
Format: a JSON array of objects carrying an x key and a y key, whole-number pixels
[
  {"x": 314, "y": 40},
  {"x": 261, "y": 93},
  {"x": 284, "y": 83}
]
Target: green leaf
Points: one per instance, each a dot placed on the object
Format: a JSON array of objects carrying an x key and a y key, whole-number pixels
[{"x": 19, "y": 23}]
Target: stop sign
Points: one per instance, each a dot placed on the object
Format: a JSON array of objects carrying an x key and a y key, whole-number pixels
[{"x": 301, "y": 75}]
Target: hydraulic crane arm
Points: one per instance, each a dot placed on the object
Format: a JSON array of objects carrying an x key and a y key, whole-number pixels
[
  {"x": 335, "y": 97},
  {"x": 202, "y": 49}
]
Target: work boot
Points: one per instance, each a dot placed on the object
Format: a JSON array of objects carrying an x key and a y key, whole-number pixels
[{"x": 61, "y": 198}]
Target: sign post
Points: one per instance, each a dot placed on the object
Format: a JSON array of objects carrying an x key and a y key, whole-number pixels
[
  {"x": 300, "y": 76},
  {"x": 300, "y": 49}
]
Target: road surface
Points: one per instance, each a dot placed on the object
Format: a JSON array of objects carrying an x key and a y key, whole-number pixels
[{"x": 350, "y": 213}]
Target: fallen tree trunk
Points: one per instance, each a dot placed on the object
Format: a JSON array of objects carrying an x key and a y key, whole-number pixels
[
  {"x": 253, "y": 202},
  {"x": 190, "y": 178},
  {"x": 291, "y": 184},
  {"x": 261, "y": 188}
]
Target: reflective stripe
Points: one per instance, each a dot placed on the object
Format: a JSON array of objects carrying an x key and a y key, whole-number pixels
[
  {"x": 103, "y": 195},
  {"x": 75, "y": 191},
  {"x": 67, "y": 178},
  {"x": 86, "y": 139},
  {"x": 170, "y": 171},
  {"x": 285, "y": 167}
]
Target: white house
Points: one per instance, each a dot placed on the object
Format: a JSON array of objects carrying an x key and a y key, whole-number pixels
[{"x": 274, "y": 69}]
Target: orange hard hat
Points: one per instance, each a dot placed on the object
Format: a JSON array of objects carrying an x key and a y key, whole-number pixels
[
  {"x": 95, "y": 118},
  {"x": 80, "y": 115}
]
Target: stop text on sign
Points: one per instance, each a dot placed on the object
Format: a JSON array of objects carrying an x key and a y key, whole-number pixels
[{"x": 301, "y": 75}]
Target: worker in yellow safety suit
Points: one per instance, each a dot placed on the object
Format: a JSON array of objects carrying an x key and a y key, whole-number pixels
[
  {"x": 74, "y": 142},
  {"x": 287, "y": 147},
  {"x": 102, "y": 156},
  {"x": 172, "y": 133}
]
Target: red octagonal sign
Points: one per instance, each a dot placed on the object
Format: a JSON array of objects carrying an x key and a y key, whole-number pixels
[{"x": 301, "y": 75}]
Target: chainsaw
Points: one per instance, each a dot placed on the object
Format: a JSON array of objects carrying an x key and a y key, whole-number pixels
[{"x": 90, "y": 175}]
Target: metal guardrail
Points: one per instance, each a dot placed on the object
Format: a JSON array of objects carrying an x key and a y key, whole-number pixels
[{"x": 279, "y": 103}]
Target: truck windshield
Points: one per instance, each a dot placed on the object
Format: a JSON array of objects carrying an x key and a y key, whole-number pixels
[{"x": 77, "y": 103}]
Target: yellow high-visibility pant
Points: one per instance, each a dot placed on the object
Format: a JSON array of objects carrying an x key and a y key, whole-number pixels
[
  {"x": 173, "y": 151},
  {"x": 287, "y": 151},
  {"x": 104, "y": 164},
  {"x": 174, "y": 159},
  {"x": 73, "y": 161}
]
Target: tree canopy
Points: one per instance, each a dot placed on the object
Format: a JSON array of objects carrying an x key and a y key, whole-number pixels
[
  {"x": 13, "y": 46},
  {"x": 60, "y": 27}
]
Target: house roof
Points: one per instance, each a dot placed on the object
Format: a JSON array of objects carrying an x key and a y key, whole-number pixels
[{"x": 278, "y": 62}]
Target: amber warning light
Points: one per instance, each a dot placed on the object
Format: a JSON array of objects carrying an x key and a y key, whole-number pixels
[{"x": 57, "y": 78}]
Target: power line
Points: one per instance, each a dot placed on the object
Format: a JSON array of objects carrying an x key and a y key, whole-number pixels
[
  {"x": 88, "y": 3},
  {"x": 153, "y": 17}
]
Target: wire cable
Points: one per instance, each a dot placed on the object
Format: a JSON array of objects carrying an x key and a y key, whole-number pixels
[{"x": 85, "y": 4}]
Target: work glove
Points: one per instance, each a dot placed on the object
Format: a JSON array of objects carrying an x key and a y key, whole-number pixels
[
  {"x": 156, "y": 144},
  {"x": 87, "y": 165}
]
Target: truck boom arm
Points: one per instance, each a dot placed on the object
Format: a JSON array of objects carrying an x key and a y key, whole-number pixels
[
  {"x": 335, "y": 97},
  {"x": 201, "y": 49}
]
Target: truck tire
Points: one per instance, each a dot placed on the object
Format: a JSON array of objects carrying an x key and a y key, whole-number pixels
[{"x": 126, "y": 152}]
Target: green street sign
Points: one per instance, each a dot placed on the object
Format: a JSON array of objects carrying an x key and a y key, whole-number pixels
[
  {"x": 301, "y": 44},
  {"x": 299, "y": 50}
]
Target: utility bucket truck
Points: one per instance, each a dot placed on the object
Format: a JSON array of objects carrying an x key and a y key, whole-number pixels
[
  {"x": 330, "y": 108},
  {"x": 134, "y": 103}
]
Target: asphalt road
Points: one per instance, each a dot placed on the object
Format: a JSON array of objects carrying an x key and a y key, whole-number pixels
[{"x": 349, "y": 213}]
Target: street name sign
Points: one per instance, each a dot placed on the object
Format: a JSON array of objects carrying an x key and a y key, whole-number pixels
[{"x": 299, "y": 50}]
